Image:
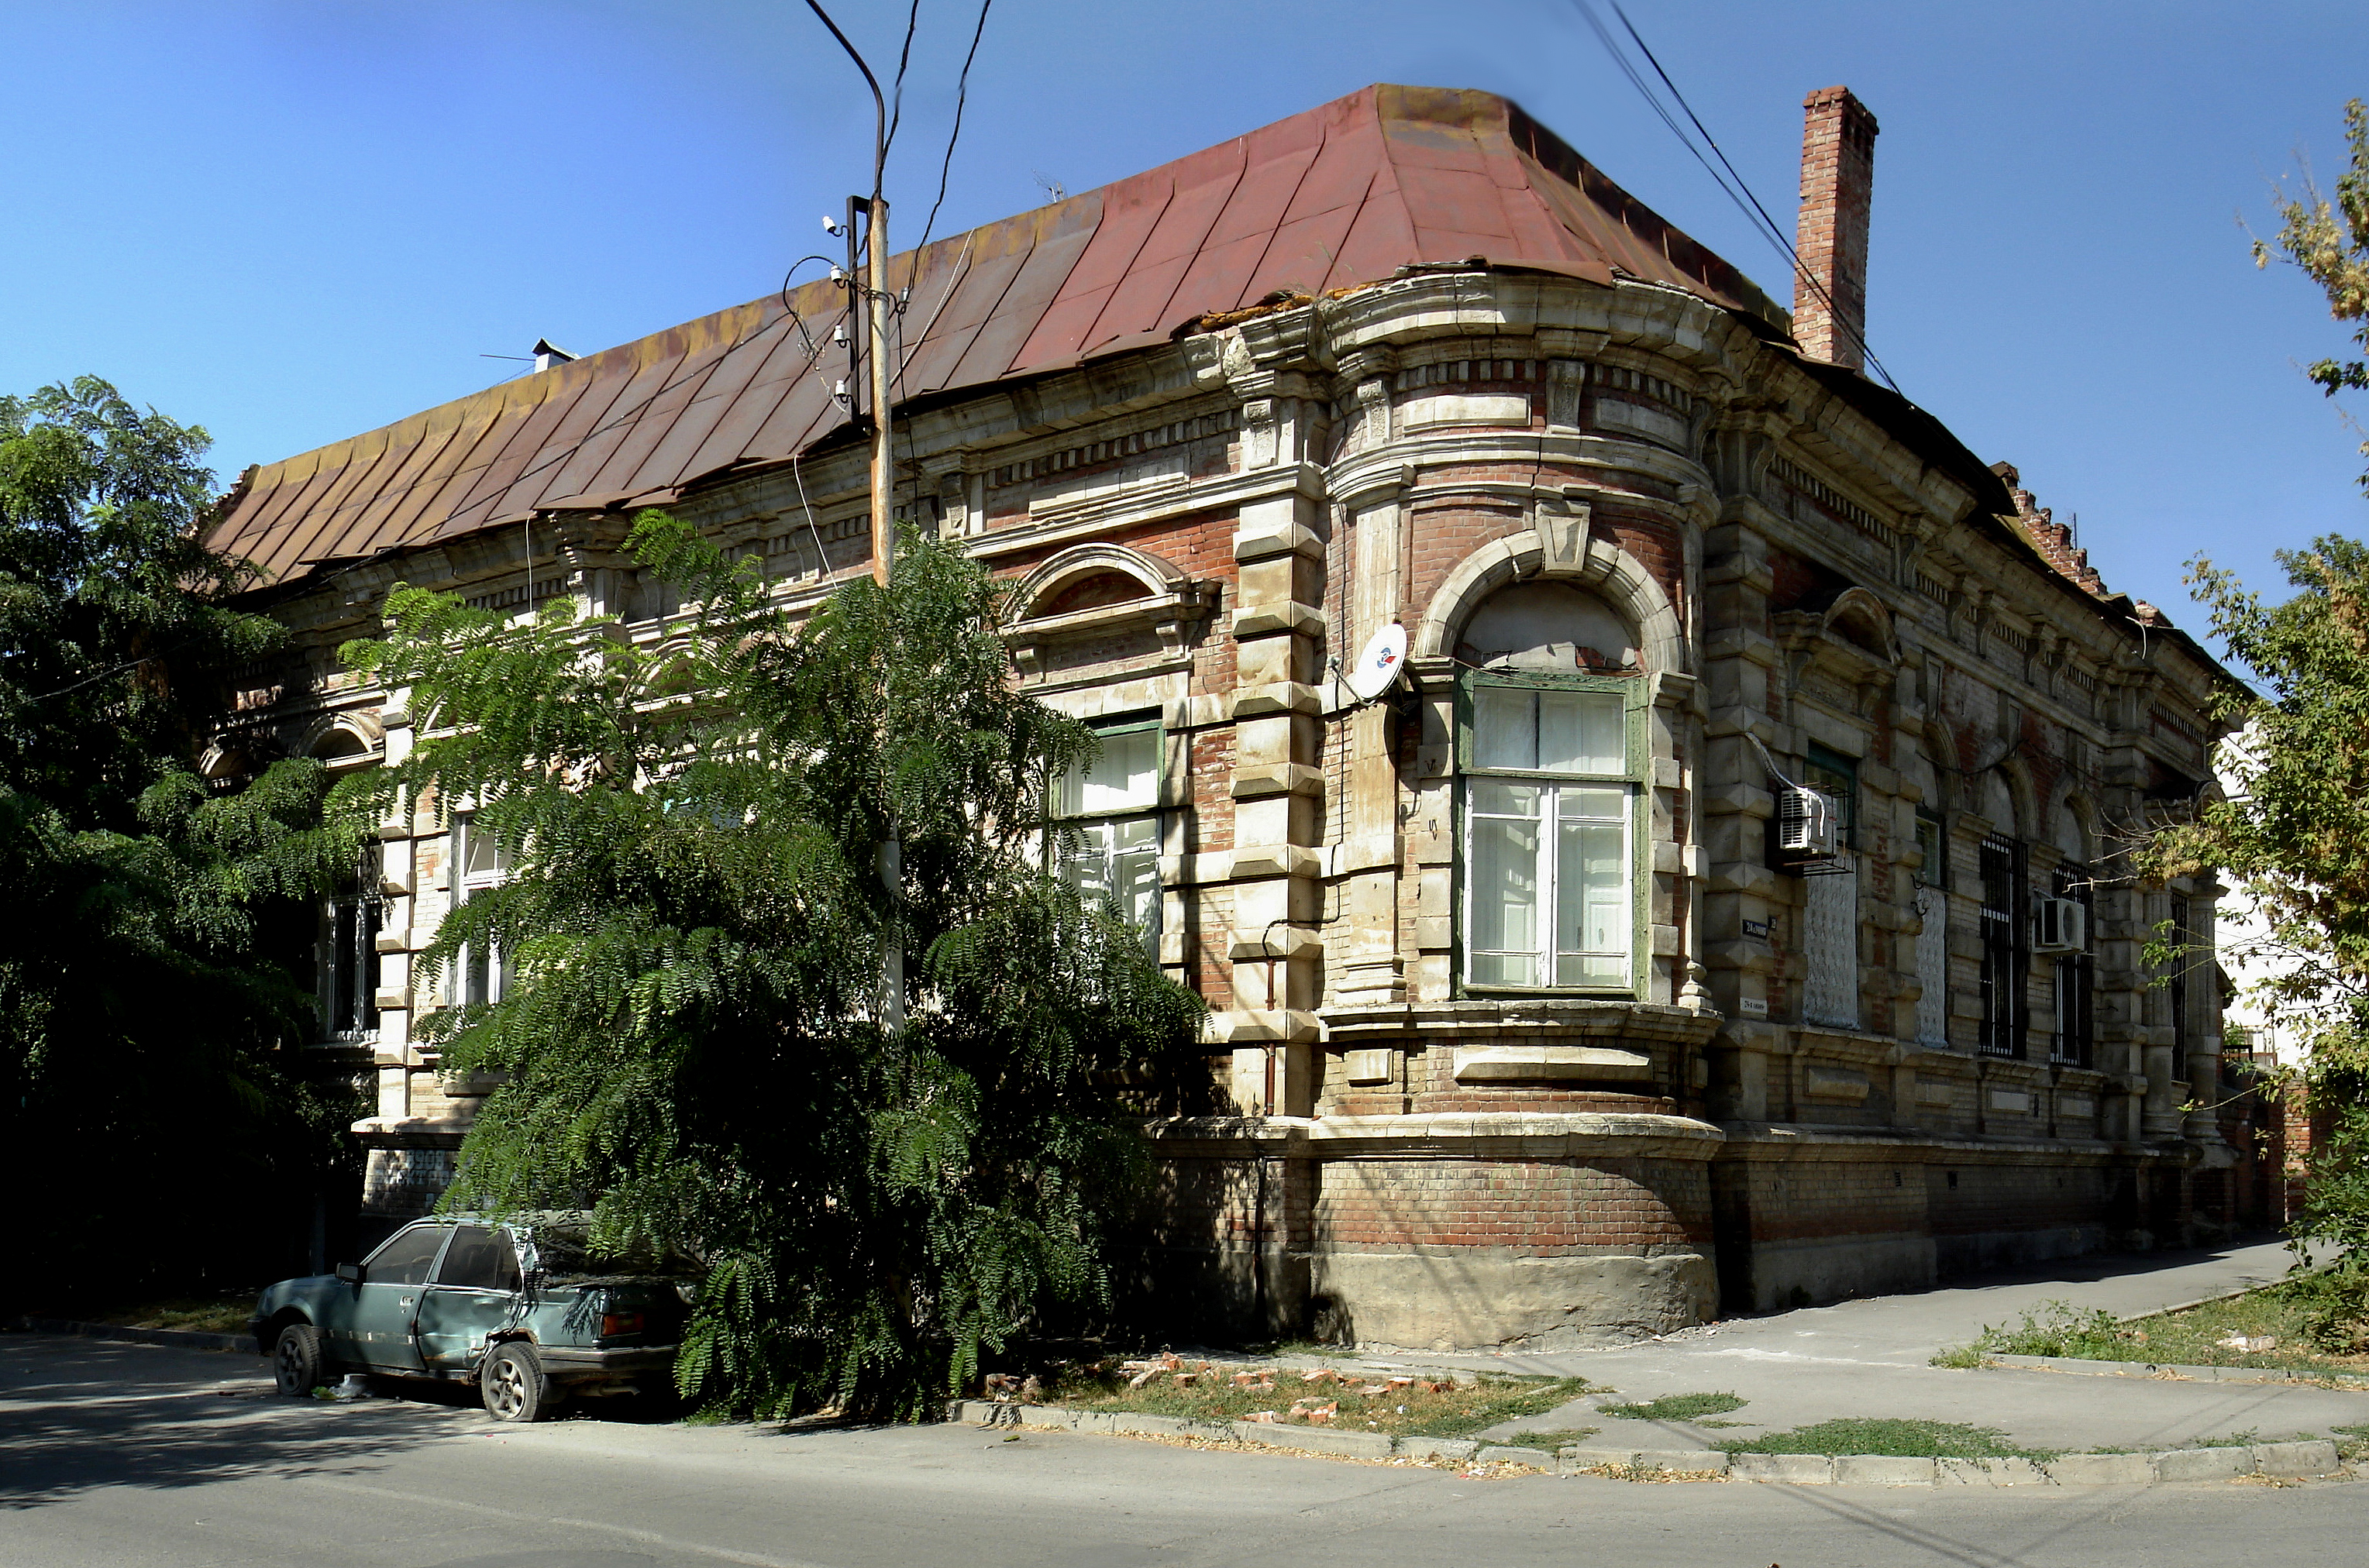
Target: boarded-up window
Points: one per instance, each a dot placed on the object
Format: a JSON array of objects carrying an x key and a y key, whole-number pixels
[
  {"x": 1933, "y": 937},
  {"x": 1830, "y": 946}
]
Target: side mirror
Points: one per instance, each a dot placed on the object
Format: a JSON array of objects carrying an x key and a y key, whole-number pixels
[{"x": 352, "y": 1273}]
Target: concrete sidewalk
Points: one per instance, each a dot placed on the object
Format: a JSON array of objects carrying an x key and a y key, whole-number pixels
[{"x": 1869, "y": 1359}]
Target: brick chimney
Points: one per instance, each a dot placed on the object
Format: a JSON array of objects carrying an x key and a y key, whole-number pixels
[{"x": 1838, "y": 186}]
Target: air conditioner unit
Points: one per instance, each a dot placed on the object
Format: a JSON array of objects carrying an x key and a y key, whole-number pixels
[
  {"x": 2059, "y": 926},
  {"x": 1805, "y": 822}
]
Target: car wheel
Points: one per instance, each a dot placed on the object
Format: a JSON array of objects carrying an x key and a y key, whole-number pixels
[
  {"x": 297, "y": 1366},
  {"x": 512, "y": 1384}
]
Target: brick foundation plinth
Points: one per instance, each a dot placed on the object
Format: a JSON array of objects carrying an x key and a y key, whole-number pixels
[{"x": 1437, "y": 1232}]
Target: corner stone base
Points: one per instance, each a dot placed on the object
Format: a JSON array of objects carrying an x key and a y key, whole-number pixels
[{"x": 1441, "y": 1299}]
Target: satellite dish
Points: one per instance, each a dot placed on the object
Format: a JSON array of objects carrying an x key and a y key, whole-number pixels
[{"x": 1380, "y": 664}]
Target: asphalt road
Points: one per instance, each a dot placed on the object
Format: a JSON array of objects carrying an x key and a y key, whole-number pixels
[{"x": 132, "y": 1455}]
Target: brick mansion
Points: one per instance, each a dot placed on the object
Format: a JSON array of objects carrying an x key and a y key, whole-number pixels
[{"x": 1720, "y": 911}]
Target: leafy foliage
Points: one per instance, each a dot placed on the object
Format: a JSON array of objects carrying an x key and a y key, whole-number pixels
[
  {"x": 698, "y": 1039},
  {"x": 141, "y": 1011},
  {"x": 2330, "y": 242},
  {"x": 2294, "y": 835}
]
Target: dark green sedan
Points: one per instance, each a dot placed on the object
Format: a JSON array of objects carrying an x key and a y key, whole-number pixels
[{"x": 525, "y": 1310}]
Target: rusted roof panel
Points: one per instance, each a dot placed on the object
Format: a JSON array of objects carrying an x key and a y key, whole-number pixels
[{"x": 1347, "y": 193}]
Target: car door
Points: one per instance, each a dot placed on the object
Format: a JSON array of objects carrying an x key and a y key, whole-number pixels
[
  {"x": 393, "y": 1279},
  {"x": 474, "y": 1291}
]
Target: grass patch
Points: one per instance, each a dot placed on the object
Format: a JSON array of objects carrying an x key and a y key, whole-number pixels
[
  {"x": 1550, "y": 1441},
  {"x": 1458, "y": 1410},
  {"x": 1895, "y": 1438},
  {"x": 1677, "y": 1407},
  {"x": 2288, "y": 1314},
  {"x": 2245, "y": 1439}
]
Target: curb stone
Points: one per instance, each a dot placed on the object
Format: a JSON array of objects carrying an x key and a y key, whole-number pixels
[
  {"x": 1577, "y": 1460},
  {"x": 188, "y": 1338},
  {"x": 2204, "y": 1464},
  {"x": 1456, "y": 1451},
  {"x": 2097, "y": 1369},
  {"x": 1882, "y": 1469},
  {"x": 2315, "y": 1457},
  {"x": 1798, "y": 1469},
  {"x": 2101, "y": 1470}
]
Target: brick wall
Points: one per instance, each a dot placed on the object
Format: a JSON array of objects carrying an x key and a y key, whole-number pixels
[{"x": 1542, "y": 1208}]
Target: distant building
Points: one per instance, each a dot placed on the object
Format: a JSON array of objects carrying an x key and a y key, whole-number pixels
[{"x": 1720, "y": 915}]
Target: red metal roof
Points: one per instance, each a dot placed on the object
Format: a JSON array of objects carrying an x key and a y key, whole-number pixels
[{"x": 1344, "y": 194}]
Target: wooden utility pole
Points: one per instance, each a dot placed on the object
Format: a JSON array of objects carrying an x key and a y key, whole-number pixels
[
  {"x": 874, "y": 284},
  {"x": 884, "y": 473}
]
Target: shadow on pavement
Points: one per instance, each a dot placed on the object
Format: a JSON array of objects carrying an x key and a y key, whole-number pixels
[
  {"x": 2094, "y": 1267},
  {"x": 76, "y": 1416}
]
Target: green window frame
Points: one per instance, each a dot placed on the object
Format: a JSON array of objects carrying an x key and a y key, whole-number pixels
[
  {"x": 1836, "y": 776},
  {"x": 1108, "y": 819},
  {"x": 1554, "y": 831},
  {"x": 1933, "y": 838}
]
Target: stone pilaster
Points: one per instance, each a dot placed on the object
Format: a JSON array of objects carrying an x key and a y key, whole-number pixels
[{"x": 1278, "y": 786}]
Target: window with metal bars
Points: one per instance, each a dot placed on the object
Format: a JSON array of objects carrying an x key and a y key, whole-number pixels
[
  {"x": 2004, "y": 961},
  {"x": 2073, "y": 1029}
]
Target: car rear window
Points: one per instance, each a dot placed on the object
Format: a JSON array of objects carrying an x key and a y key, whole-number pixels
[
  {"x": 568, "y": 1250},
  {"x": 406, "y": 1259},
  {"x": 479, "y": 1259}
]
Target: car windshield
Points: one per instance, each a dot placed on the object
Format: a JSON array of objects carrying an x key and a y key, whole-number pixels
[{"x": 568, "y": 1249}]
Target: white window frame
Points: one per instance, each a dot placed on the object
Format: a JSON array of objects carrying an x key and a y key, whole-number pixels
[
  {"x": 1098, "y": 830},
  {"x": 471, "y": 983},
  {"x": 1637, "y": 966},
  {"x": 358, "y": 952}
]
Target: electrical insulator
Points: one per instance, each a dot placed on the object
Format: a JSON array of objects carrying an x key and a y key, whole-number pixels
[
  {"x": 839, "y": 334},
  {"x": 838, "y": 275},
  {"x": 839, "y": 389}
]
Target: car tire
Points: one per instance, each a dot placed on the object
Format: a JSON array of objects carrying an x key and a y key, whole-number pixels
[
  {"x": 513, "y": 1385},
  {"x": 297, "y": 1365}
]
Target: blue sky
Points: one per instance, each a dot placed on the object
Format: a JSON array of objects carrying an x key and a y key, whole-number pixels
[{"x": 290, "y": 220}]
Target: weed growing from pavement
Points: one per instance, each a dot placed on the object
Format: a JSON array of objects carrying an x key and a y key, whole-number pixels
[
  {"x": 1895, "y": 1438},
  {"x": 1675, "y": 1407},
  {"x": 2245, "y": 1439},
  {"x": 2286, "y": 1314},
  {"x": 1456, "y": 1410},
  {"x": 1550, "y": 1441}
]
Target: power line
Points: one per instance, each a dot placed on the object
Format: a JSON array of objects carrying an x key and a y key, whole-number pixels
[
  {"x": 897, "y": 88},
  {"x": 1731, "y": 183},
  {"x": 1858, "y": 332},
  {"x": 962, "y": 92}
]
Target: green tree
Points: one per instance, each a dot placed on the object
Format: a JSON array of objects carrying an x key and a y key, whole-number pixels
[
  {"x": 2293, "y": 835},
  {"x": 697, "y": 1039},
  {"x": 142, "y": 1020},
  {"x": 2330, "y": 242}
]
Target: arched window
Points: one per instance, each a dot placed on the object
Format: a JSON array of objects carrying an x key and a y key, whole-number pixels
[{"x": 1552, "y": 759}]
